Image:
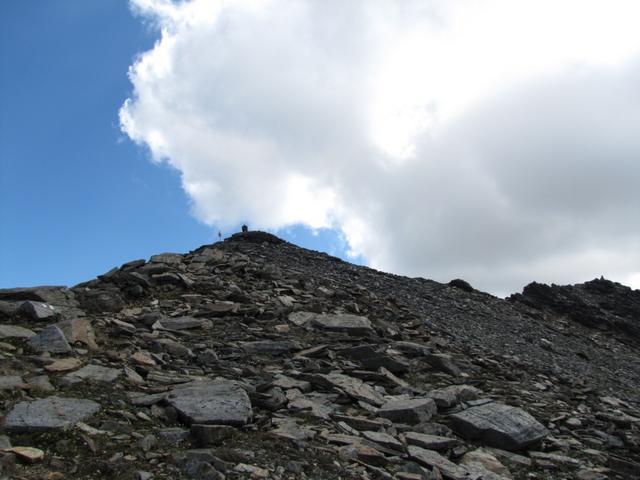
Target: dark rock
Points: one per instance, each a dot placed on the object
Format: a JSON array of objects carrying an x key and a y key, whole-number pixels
[
  {"x": 38, "y": 310},
  {"x": 498, "y": 425},
  {"x": 51, "y": 339},
  {"x": 412, "y": 411},
  {"x": 50, "y": 413},
  {"x": 223, "y": 403}
]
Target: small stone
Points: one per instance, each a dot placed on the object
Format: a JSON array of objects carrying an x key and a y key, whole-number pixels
[
  {"x": 143, "y": 359},
  {"x": 63, "y": 365},
  {"x": 92, "y": 373},
  {"x": 182, "y": 323},
  {"x": 14, "y": 331},
  {"x": 28, "y": 454},
  {"x": 411, "y": 411},
  {"x": 430, "y": 442},
  {"x": 10, "y": 382},
  {"x": 352, "y": 324},
  {"x": 79, "y": 330},
  {"x": 431, "y": 459},
  {"x": 481, "y": 459},
  {"x": 443, "y": 363}
]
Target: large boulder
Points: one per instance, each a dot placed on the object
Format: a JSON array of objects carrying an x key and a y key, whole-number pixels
[
  {"x": 498, "y": 425},
  {"x": 218, "y": 403}
]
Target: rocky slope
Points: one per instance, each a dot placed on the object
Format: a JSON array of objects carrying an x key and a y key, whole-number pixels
[{"x": 254, "y": 358}]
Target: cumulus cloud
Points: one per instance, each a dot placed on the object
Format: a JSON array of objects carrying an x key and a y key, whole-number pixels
[{"x": 491, "y": 140}]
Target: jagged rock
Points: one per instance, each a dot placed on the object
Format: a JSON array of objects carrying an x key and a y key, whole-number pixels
[
  {"x": 38, "y": 310},
  {"x": 28, "y": 454},
  {"x": 499, "y": 425},
  {"x": 352, "y": 387},
  {"x": 352, "y": 324},
  {"x": 51, "y": 339},
  {"x": 223, "y": 403},
  {"x": 450, "y": 396},
  {"x": 78, "y": 330},
  {"x": 15, "y": 331},
  {"x": 430, "y": 442},
  {"x": 212, "y": 434},
  {"x": 410, "y": 412},
  {"x": 183, "y": 323},
  {"x": 101, "y": 300},
  {"x": 480, "y": 461},
  {"x": 63, "y": 365},
  {"x": 443, "y": 363},
  {"x": 50, "y": 413},
  {"x": 270, "y": 347},
  {"x": 431, "y": 459},
  {"x": 92, "y": 373}
]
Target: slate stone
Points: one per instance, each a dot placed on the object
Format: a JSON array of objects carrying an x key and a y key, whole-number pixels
[
  {"x": 451, "y": 396},
  {"x": 219, "y": 403},
  {"x": 38, "y": 310},
  {"x": 101, "y": 300},
  {"x": 270, "y": 347},
  {"x": 212, "y": 434},
  {"x": 79, "y": 330},
  {"x": 49, "y": 414},
  {"x": 15, "y": 331},
  {"x": 410, "y": 411},
  {"x": 431, "y": 459},
  {"x": 352, "y": 324},
  {"x": 352, "y": 387},
  {"x": 183, "y": 323},
  {"x": 51, "y": 339},
  {"x": 92, "y": 373},
  {"x": 430, "y": 442},
  {"x": 9, "y": 382},
  {"x": 168, "y": 258},
  {"x": 443, "y": 363},
  {"x": 498, "y": 425}
]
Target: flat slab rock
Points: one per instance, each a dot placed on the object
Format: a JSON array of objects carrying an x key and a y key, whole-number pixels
[
  {"x": 217, "y": 403},
  {"x": 182, "y": 323},
  {"x": 15, "y": 331},
  {"x": 431, "y": 459},
  {"x": 409, "y": 411},
  {"x": 51, "y": 339},
  {"x": 49, "y": 414},
  {"x": 337, "y": 322},
  {"x": 92, "y": 373},
  {"x": 498, "y": 425}
]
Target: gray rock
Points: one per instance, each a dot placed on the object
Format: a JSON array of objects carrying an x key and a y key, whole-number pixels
[
  {"x": 101, "y": 300},
  {"x": 443, "y": 363},
  {"x": 78, "y": 330},
  {"x": 353, "y": 387},
  {"x": 270, "y": 347},
  {"x": 14, "y": 331},
  {"x": 9, "y": 382},
  {"x": 430, "y": 442},
  {"x": 49, "y": 414},
  {"x": 411, "y": 411},
  {"x": 498, "y": 425},
  {"x": 38, "y": 310},
  {"x": 168, "y": 258},
  {"x": 51, "y": 339},
  {"x": 352, "y": 324},
  {"x": 431, "y": 459},
  {"x": 450, "y": 396},
  {"x": 5, "y": 443},
  {"x": 173, "y": 435},
  {"x": 182, "y": 323},
  {"x": 92, "y": 373},
  {"x": 412, "y": 349},
  {"x": 220, "y": 403}
]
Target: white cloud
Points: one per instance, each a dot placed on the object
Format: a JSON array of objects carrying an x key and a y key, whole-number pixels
[{"x": 490, "y": 140}]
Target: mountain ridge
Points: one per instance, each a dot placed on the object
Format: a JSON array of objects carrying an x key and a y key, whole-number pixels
[{"x": 315, "y": 342}]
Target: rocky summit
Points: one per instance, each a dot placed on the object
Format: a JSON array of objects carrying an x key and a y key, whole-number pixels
[{"x": 253, "y": 358}]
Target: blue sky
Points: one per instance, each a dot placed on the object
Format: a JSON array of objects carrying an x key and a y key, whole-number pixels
[{"x": 77, "y": 197}]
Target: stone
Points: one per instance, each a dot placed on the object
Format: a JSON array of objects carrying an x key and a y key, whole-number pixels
[
  {"x": 168, "y": 258},
  {"x": 431, "y": 459},
  {"x": 38, "y": 310},
  {"x": 353, "y": 387},
  {"x": 352, "y": 324},
  {"x": 10, "y": 382},
  {"x": 480, "y": 459},
  {"x": 79, "y": 330},
  {"x": 52, "y": 413},
  {"x": 92, "y": 373},
  {"x": 40, "y": 382},
  {"x": 270, "y": 347},
  {"x": 220, "y": 403},
  {"x": 412, "y": 349},
  {"x": 51, "y": 339},
  {"x": 451, "y": 396},
  {"x": 101, "y": 300},
  {"x": 28, "y": 454},
  {"x": 410, "y": 411},
  {"x": 63, "y": 365},
  {"x": 182, "y": 323},
  {"x": 443, "y": 363},
  {"x": 384, "y": 439},
  {"x": 430, "y": 442},
  {"x": 15, "y": 331},
  {"x": 498, "y": 425}
]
